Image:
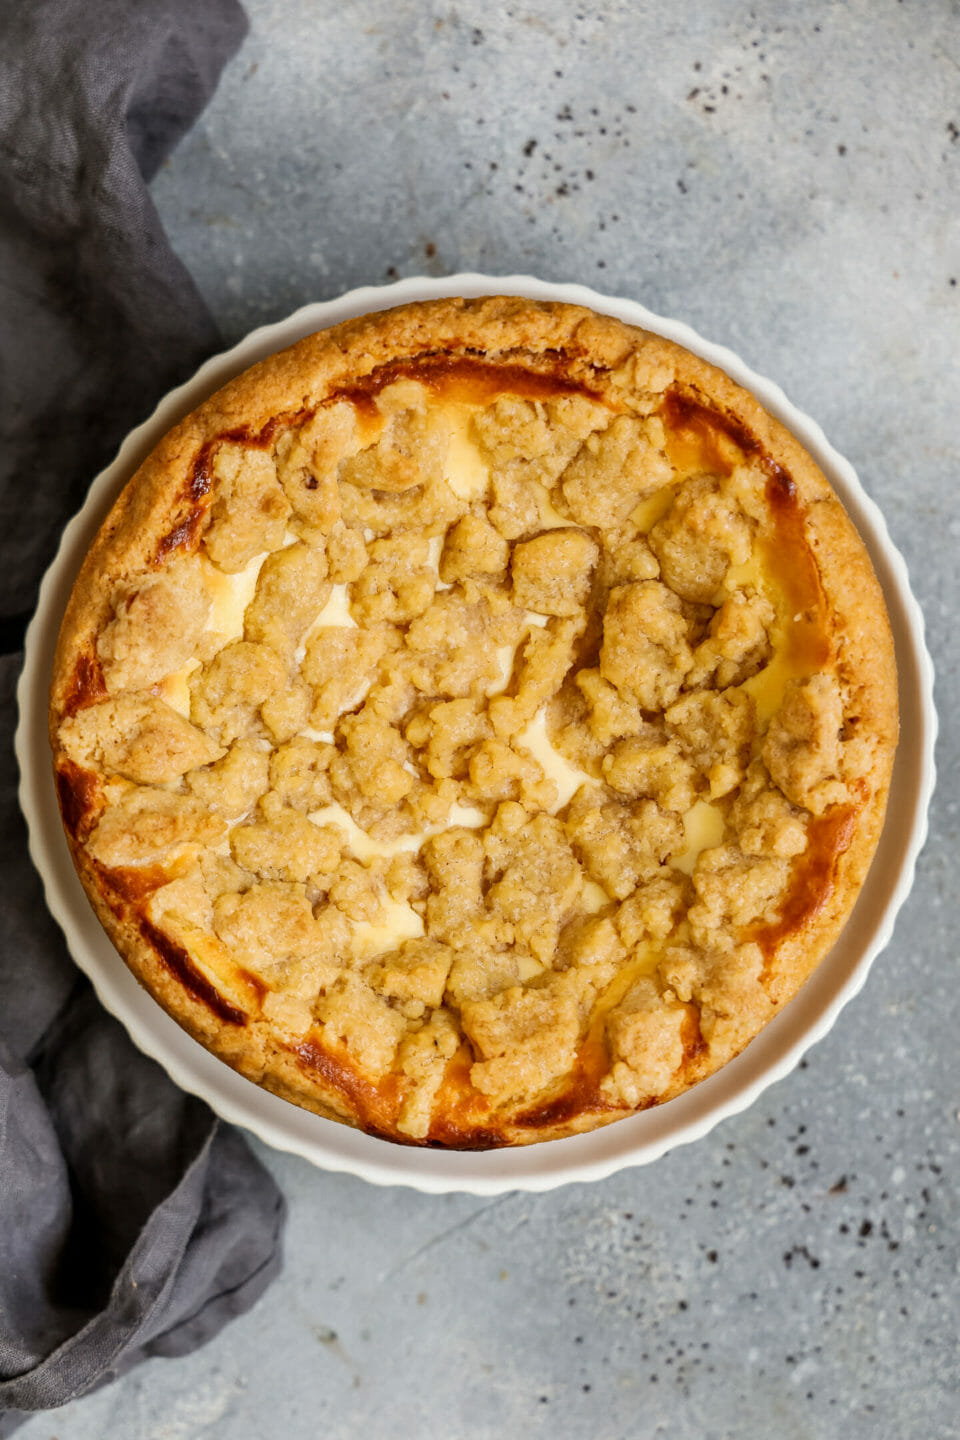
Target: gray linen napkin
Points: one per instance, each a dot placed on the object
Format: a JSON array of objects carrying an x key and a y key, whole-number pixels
[{"x": 132, "y": 1222}]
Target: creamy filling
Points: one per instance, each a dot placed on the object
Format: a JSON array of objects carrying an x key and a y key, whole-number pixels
[
  {"x": 767, "y": 687},
  {"x": 567, "y": 778},
  {"x": 175, "y": 688},
  {"x": 466, "y": 471},
  {"x": 364, "y": 847},
  {"x": 230, "y": 595},
  {"x": 550, "y": 517},
  {"x": 593, "y": 897},
  {"x": 649, "y": 511},
  {"x": 308, "y": 733},
  {"x": 399, "y": 922},
  {"x": 507, "y": 654},
  {"x": 336, "y": 613},
  {"x": 702, "y": 830},
  {"x": 644, "y": 961},
  {"x": 505, "y": 658}
]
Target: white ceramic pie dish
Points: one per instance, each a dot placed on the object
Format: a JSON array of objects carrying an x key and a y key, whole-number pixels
[{"x": 632, "y": 1141}]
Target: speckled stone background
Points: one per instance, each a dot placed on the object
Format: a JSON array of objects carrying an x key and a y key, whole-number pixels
[{"x": 784, "y": 177}]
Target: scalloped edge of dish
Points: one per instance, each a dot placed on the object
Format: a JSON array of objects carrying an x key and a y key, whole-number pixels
[{"x": 634, "y": 1141}]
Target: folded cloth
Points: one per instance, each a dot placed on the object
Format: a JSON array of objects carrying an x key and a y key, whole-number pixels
[{"x": 132, "y": 1222}]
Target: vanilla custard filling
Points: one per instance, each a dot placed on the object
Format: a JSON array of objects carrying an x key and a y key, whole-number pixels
[
  {"x": 567, "y": 778},
  {"x": 434, "y": 551},
  {"x": 466, "y": 471},
  {"x": 507, "y": 654},
  {"x": 230, "y": 595},
  {"x": 335, "y": 612},
  {"x": 399, "y": 922},
  {"x": 702, "y": 830},
  {"x": 364, "y": 847},
  {"x": 175, "y": 688}
]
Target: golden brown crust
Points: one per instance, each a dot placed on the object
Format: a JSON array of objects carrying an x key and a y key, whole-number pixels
[{"x": 799, "y": 794}]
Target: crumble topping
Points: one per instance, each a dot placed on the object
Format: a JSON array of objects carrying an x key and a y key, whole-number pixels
[{"x": 472, "y": 734}]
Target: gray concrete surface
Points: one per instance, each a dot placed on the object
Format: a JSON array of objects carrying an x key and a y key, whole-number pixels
[{"x": 785, "y": 177}]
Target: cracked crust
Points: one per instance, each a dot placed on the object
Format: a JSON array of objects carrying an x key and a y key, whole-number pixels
[{"x": 570, "y": 786}]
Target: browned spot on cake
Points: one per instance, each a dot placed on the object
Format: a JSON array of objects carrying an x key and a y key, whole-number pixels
[
  {"x": 813, "y": 877},
  {"x": 372, "y": 1104},
  {"x": 186, "y": 533},
  {"x": 86, "y": 685},
  {"x": 475, "y": 381},
  {"x": 792, "y": 561},
  {"x": 255, "y": 983},
  {"x": 699, "y": 433},
  {"x": 577, "y": 1100},
  {"x": 581, "y": 1091},
  {"x": 79, "y": 795},
  {"x": 447, "y": 1135},
  {"x": 201, "y": 474},
  {"x": 185, "y": 536},
  {"x": 263, "y": 438},
  {"x": 700, "y": 436},
  {"x": 134, "y": 882},
  {"x": 593, "y": 1057},
  {"x": 461, "y": 1120},
  {"x": 691, "y": 1037},
  {"x": 178, "y": 961}
]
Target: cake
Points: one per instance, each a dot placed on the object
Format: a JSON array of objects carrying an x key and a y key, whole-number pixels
[{"x": 475, "y": 722}]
